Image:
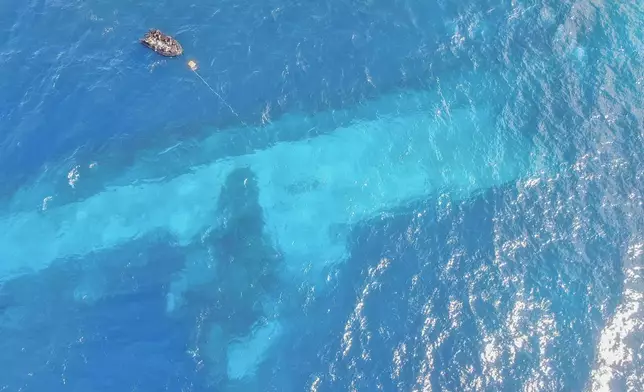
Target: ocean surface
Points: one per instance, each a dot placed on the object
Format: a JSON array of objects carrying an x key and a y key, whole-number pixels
[{"x": 347, "y": 195}]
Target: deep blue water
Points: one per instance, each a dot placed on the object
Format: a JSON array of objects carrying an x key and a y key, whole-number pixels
[{"x": 533, "y": 284}]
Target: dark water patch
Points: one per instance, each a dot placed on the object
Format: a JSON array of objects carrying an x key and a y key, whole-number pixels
[
  {"x": 246, "y": 261},
  {"x": 98, "y": 323},
  {"x": 245, "y": 282}
]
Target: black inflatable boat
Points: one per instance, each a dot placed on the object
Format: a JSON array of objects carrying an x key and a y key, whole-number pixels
[{"x": 162, "y": 43}]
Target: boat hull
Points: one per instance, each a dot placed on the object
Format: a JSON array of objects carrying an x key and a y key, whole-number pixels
[{"x": 162, "y": 44}]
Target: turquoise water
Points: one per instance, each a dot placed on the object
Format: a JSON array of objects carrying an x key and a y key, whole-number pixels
[{"x": 408, "y": 196}]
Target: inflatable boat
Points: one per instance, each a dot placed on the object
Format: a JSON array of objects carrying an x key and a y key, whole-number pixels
[{"x": 162, "y": 43}]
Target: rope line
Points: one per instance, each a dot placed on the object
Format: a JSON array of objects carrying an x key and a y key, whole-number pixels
[{"x": 193, "y": 68}]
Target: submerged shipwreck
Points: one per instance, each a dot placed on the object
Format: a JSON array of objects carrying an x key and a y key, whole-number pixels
[{"x": 162, "y": 43}]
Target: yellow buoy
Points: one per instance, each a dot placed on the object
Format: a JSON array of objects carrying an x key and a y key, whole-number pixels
[{"x": 192, "y": 64}]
